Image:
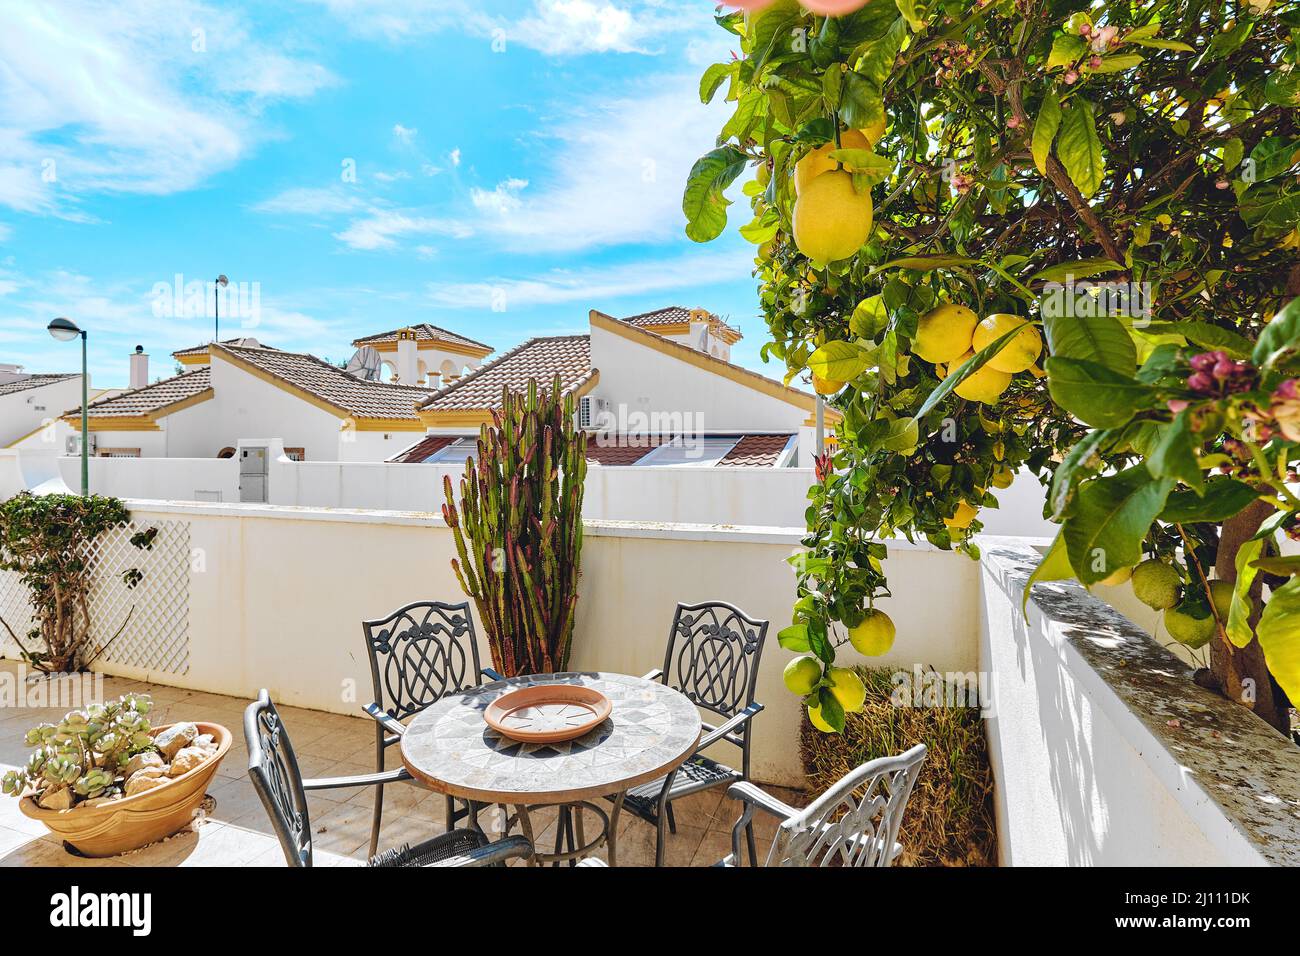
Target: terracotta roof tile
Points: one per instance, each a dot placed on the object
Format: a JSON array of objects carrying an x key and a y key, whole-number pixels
[
  {"x": 626, "y": 450},
  {"x": 422, "y": 449},
  {"x": 541, "y": 358},
  {"x": 423, "y": 332},
  {"x": 242, "y": 342},
  {"x": 151, "y": 398},
  {"x": 756, "y": 451},
  {"x": 33, "y": 381},
  {"x": 669, "y": 315},
  {"x": 333, "y": 385}
]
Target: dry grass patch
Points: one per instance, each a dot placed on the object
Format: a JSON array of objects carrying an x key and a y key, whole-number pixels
[{"x": 949, "y": 820}]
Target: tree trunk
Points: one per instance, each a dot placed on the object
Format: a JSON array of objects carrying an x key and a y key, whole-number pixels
[{"x": 1240, "y": 671}]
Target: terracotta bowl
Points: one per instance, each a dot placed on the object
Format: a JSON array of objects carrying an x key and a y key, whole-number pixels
[
  {"x": 547, "y": 713},
  {"x": 135, "y": 821}
]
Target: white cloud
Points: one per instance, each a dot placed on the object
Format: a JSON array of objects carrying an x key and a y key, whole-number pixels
[
  {"x": 380, "y": 229},
  {"x": 404, "y": 134},
  {"x": 616, "y": 173},
  {"x": 311, "y": 201},
  {"x": 501, "y": 200},
  {"x": 454, "y": 156},
  {"x": 147, "y": 96},
  {"x": 590, "y": 286},
  {"x": 553, "y": 27}
]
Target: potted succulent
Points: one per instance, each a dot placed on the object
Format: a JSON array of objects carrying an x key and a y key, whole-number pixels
[{"x": 107, "y": 782}]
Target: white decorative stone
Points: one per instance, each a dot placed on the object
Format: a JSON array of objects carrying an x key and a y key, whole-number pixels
[
  {"x": 146, "y": 779},
  {"x": 171, "y": 740},
  {"x": 186, "y": 760},
  {"x": 142, "y": 761},
  {"x": 60, "y": 799}
]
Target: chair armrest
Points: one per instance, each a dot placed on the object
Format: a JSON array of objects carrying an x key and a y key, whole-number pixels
[
  {"x": 759, "y": 798},
  {"x": 389, "y": 723},
  {"x": 508, "y": 848},
  {"x": 363, "y": 780},
  {"x": 656, "y": 674},
  {"x": 490, "y": 674},
  {"x": 717, "y": 733}
]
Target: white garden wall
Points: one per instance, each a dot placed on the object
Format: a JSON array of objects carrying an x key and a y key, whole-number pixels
[{"x": 1104, "y": 750}]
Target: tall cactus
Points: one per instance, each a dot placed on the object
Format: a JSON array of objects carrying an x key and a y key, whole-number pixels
[{"x": 518, "y": 528}]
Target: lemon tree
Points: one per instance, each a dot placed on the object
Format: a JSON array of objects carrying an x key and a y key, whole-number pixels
[{"x": 1058, "y": 238}]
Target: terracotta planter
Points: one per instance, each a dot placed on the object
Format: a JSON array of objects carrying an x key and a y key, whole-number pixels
[{"x": 113, "y": 828}]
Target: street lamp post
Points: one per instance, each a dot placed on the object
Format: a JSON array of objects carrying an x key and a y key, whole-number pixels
[
  {"x": 217, "y": 286},
  {"x": 65, "y": 330}
]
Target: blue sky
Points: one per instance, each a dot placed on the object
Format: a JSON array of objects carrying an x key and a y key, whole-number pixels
[{"x": 496, "y": 168}]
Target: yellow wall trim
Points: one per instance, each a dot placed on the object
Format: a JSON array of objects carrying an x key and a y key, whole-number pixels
[
  {"x": 196, "y": 358},
  {"x": 146, "y": 422},
  {"x": 456, "y": 348},
  {"x": 741, "y": 376}
]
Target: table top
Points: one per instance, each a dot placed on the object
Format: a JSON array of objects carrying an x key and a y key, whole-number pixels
[{"x": 651, "y": 730}]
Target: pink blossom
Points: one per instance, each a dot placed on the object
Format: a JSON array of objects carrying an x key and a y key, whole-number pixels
[{"x": 1070, "y": 77}]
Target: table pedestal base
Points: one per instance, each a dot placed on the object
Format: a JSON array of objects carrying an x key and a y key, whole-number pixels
[{"x": 571, "y": 843}]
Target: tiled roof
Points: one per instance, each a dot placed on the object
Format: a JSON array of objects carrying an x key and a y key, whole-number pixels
[
  {"x": 151, "y": 398},
  {"x": 756, "y": 451},
  {"x": 332, "y": 385},
  {"x": 422, "y": 449},
  {"x": 33, "y": 381},
  {"x": 242, "y": 342},
  {"x": 541, "y": 358},
  {"x": 624, "y": 450},
  {"x": 423, "y": 332},
  {"x": 669, "y": 315}
]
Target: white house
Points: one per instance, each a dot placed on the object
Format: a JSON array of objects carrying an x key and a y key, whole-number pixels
[
  {"x": 31, "y": 404},
  {"x": 654, "y": 388},
  {"x": 424, "y": 354}
]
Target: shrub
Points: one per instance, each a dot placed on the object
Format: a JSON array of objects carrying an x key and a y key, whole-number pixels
[{"x": 949, "y": 819}]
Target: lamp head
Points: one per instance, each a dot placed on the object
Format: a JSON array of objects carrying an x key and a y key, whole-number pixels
[
  {"x": 222, "y": 281},
  {"x": 65, "y": 330}
]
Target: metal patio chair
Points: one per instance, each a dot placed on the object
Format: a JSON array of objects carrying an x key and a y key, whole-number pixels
[
  {"x": 273, "y": 768},
  {"x": 712, "y": 658},
  {"x": 418, "y": 654},
  {"x": 854, "y": 823}
]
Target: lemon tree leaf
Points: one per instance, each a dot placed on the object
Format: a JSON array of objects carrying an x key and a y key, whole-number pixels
[
  {"x": 1066, "y": 48},
  {"x": 1045, "y": 127},
  {"x": 1118, "y": 63},
  {"x": 1078, "y": 269},
  {"x": 1205, "y": 335},
  {"x": 839, "y": 361},
  {"x": 1279, "y": 636},
  {"x": 869, "y": 317},
  {"x": 1174, "y": 455},
  {"x": 1238, "y": 626},
  {"x": 1079, "y": 147},
  {"x": 1095, "y": 394},
  {"x": 1280, "y": 336},
  {"x": 704, "y": 202},
  {"x": 1101, "y": 339},
  {"x": 1223, "y": 498},
  {"x": 713, "y": 78},
  {"x": 794, "y": 638},
  {"x": 1287, "y": 565},
  {"x": 1111, "y": 516},
  {"x": 1055, "y": 566}
]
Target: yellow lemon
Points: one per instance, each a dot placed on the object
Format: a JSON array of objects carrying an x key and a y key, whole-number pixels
[
  {"x": 847, "y": 688},
  {"x": 1017, "y": 354},
  {"x": 1003, "y": 477},
  {"x": 945, "y": 333},
  {"x": 801, "y": 675},
  {"x": 875, "y": 635},
  {"x": 832, "y": 219},
  {"x": 815, "y": 717},
  {"x": 875, "y": 132},
  {"x": 965, "y": 515},
  {"x": 819, "y": 160},
  {"x": 825, "y": 386},
  {"x": 983, "y": 385}
]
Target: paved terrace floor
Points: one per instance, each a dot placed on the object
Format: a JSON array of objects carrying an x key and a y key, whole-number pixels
[{"x": 238, "y": 833}]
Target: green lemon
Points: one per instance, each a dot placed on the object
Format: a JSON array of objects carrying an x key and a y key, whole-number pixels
[
  {"x": 1156, "y": 584},
  {"x": 1185, "y": 629},
  {"x": 1221, "y": 595},
  {"x": 801, "y": 675},
  {"x": 815, "y": 717}
]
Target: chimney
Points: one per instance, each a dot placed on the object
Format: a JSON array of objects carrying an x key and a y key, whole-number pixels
[
  {"x": 139, "y": 368},
  {"x": 408, "y": 365},
  {"x": 700, "y": 323}
]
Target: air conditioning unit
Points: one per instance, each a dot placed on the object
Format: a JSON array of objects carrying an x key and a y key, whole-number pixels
[
  {"x": 72, "y": 444},
  {"x": 590, "y": 410}
]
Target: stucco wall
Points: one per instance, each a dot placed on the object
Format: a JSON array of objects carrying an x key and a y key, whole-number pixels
[
  {"x": 1104, "y": 750},
  {"x": 278, "y": 594},
  {"x": 24, "y": 411}
]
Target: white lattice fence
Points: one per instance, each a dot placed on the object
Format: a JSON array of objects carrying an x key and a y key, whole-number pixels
[{"x": 156, "y": 612}]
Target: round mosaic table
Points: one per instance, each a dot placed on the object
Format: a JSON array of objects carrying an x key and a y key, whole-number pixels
[{"x": 651, "y": 731}]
